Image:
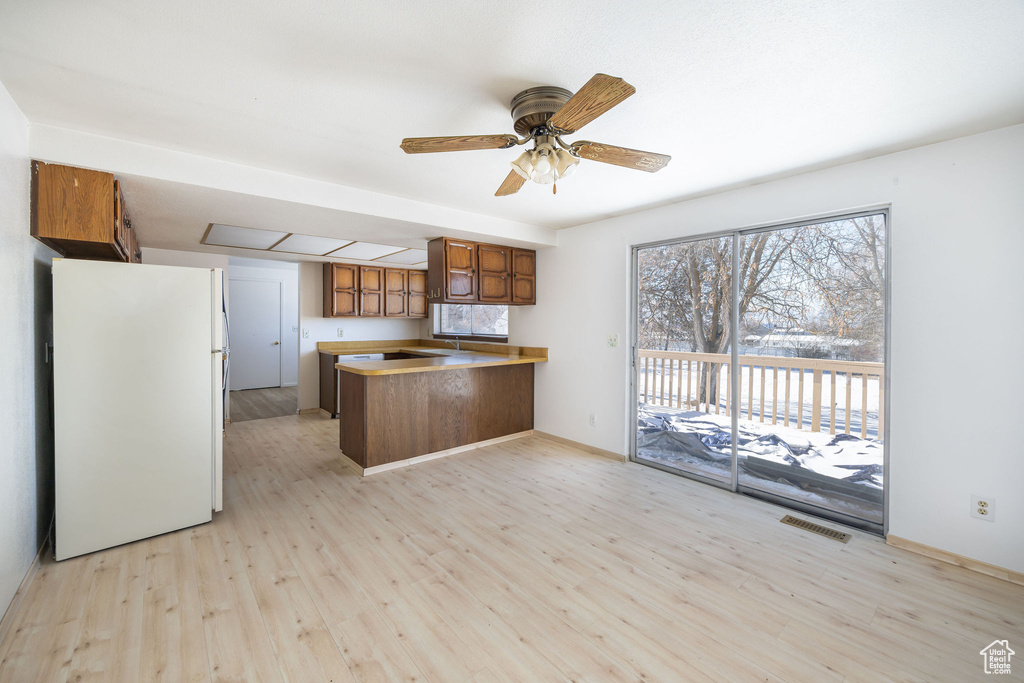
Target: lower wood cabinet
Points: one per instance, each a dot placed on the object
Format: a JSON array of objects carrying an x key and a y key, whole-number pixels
[
  {"x": 374, "y": 291},
  {"x": 388, "y": 418}
]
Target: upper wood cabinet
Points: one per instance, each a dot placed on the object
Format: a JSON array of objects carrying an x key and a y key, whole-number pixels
[
  {"x": 373, "y": 291},
  {"x": 82, "y": 214},
  {"x": 396, "y": 292},
  {"x": 495, "y": 277},
  {"x": 417, "y": 294},
  {"x": 524, "y": 276},
  {"x": 460, "y": 270},
  {"x": 463, "y": 272},
  {"x": 341, "y": 290}
]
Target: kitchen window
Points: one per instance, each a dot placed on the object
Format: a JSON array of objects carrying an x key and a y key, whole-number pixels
[{"x": 468, "y": 321}]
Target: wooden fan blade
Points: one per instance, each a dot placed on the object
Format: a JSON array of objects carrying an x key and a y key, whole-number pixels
[
  {"x": 457, "y": 143},
  {"x": 601, "y": 93},
  {"x": 512, "y": 184},
  {"x": 621, "y": 156}
]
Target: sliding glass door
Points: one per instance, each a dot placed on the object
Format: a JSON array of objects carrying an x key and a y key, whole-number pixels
[
  {"x": 799, "y": 311},
  {"x": 684, "y": 333}
]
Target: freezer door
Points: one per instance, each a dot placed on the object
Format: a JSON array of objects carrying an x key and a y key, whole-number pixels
[{"x": 132, "y": 401}]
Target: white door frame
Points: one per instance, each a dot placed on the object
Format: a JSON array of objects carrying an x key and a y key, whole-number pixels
[{"x": 280, "y": 322}]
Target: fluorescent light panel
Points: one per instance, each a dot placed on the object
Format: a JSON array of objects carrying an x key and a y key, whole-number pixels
[
  {"x": 310, "y": 244},
  {"x": 247, "y": 238},
  {"x": 407, "y": 257},
  {"x": 365, "y": 251}
]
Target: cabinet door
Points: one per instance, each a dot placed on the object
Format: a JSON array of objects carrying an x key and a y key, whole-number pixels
[
  {"x": 524, "y": 276},
  {"x": 460, "y": 271},
  {"x": 417, "y": 294},
  {"x": 120, "y": 221},
  {"x": 396, "y": 290},
  {"x": 371, "y": 291},
  {"x": 341, "y": 290},
  {"x": 495, "y": 264}
]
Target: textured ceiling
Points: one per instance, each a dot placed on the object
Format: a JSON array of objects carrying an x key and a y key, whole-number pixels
[{"x": 736, "y": 92}]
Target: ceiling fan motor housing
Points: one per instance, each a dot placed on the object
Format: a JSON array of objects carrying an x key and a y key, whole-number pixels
[{"x": 534, "y": 106}]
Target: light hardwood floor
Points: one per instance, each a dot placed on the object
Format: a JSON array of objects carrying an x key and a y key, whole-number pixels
[
  {"x": 259, "y": 404},
  {"x": 523, "y": 561}
]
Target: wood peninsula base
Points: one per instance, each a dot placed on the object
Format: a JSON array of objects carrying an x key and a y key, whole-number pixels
[{"x": 390, "y": 418}]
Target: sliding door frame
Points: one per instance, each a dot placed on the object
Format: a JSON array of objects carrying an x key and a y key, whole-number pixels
[{"x": 734, "y": 377}]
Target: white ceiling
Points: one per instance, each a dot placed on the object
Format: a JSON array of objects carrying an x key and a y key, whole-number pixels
[{"x": 736, "y": 92}]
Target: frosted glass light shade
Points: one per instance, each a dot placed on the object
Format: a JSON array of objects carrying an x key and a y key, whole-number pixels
[
  {"x": 566, "y": 165},
  {"x": 523, "y": 165}
]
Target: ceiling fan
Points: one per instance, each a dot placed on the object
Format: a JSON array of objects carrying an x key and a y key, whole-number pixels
[{"x": 543, "y": 115}]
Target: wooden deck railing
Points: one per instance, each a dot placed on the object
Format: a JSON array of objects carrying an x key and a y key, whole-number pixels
[{"x": 661, "y": 376}]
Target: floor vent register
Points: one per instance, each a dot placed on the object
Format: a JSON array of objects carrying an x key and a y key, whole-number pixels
[{"x": 840, "y": 536}]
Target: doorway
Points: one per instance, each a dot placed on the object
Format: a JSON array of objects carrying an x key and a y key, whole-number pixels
[
  {"x": 760, "y": 363},
  {"x": 263, "y": 319}
]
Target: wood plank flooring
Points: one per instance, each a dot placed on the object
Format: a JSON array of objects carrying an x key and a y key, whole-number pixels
[
  {"x": 259, "y": 404},
  {"x": 523, "y": 561}
]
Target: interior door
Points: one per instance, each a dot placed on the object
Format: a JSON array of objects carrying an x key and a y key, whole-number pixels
[{"x": 255, "y": 334}]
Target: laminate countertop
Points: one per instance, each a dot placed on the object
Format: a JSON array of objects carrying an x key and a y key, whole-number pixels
[{"x": 433, "y": 359}]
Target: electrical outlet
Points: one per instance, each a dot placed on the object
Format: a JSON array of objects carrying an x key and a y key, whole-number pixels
[
  {"x": 613, "y": 339},
  {"x": 983, "y": 507},
  {"x": 593, "y": 419},
  {"x": 341, "y": 333},
  {"x": 305, "y": 333}
]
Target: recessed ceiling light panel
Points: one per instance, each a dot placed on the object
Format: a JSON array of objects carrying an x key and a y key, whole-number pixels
[
  {"x": 407, "y": 257},
  {"x": 310, "y": 244},
  {"x": 247, "y": 238},
  {"x": 365, "y": 251}
]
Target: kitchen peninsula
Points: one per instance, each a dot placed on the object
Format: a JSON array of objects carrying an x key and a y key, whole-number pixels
[{"x": 420, "y": 399}]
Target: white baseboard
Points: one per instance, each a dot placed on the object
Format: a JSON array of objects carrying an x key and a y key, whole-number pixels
[
  {"x": 959, "y": 560},
  {"x": 582, "y": 446},
  {"x": 19, "y": 595}
]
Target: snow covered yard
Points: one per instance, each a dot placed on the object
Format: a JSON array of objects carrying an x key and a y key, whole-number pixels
[{"x": 841, "y": 472}]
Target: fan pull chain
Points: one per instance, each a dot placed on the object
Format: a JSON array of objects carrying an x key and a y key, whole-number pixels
[{"x": 554, "y": 188}]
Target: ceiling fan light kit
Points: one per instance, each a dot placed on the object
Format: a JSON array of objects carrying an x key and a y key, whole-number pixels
[{"x": 542, "y": 115}]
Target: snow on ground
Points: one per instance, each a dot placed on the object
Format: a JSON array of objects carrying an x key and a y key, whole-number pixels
[{"x": 841, "y": 472}]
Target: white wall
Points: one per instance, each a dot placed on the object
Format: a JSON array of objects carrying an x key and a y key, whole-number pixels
[
  {"x": 26, "y": 454},
  {"x": 319, "y": 328},
  {"x": 190, "y": 259},
  {"x": 957, "y": 236},
  {"x": 288, "y": 275}
]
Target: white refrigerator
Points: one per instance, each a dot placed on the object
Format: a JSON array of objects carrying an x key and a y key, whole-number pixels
[{"x": 138, "y": 406}]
